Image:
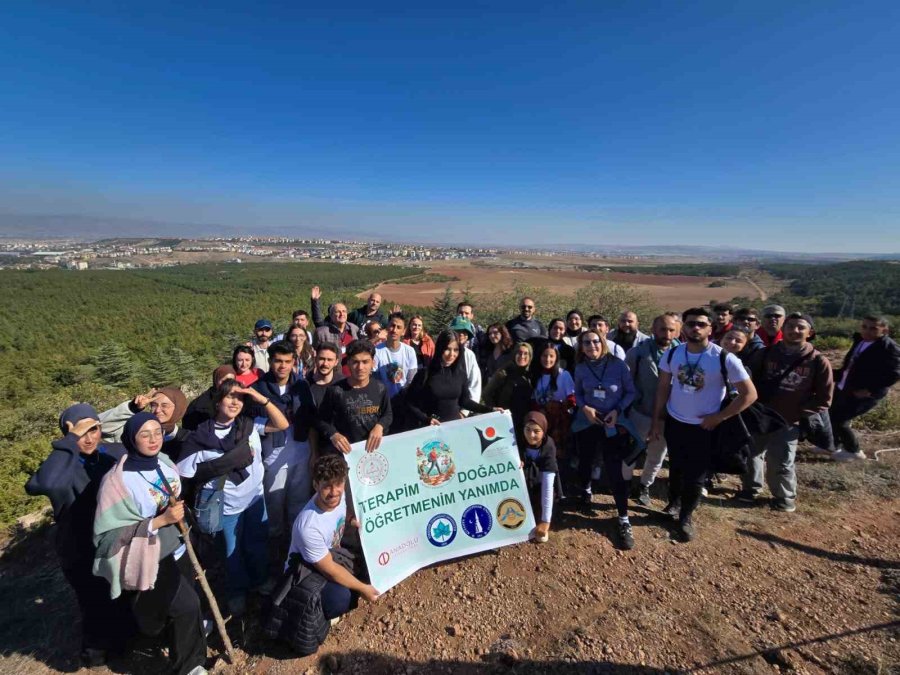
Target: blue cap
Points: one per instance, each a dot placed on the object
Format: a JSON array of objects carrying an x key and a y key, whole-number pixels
[{"x": 262, "y": 323}]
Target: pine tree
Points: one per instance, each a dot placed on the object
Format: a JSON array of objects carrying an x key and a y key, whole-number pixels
[
  {"x": 443, "y": 311},
  {"x": 115, "y": 365}
]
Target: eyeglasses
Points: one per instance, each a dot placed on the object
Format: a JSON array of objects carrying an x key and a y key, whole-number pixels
[
  {"x": 772, "y": 316},
  {"x": 591, "y": 342},
  {"x": 527, "y": 306},
  {"x": 150, "y": 435},
  {"x": 697, "y": 324},
  {"x": 751, "y": 319}
]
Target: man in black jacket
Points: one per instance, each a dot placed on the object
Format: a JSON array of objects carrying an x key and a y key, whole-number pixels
[{"x": 870, "y": 368}]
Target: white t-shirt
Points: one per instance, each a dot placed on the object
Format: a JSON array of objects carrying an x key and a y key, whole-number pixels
[
  {"x": 237, "y": 497},
  {"x": 151, "y": 495},
  {"x": 316, "y": 532},
  {"x": 697, "y": 386},
  {"x": 396, "y": 368}
]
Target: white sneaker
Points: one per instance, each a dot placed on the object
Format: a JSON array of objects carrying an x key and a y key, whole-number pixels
[
  {"x": 704, "y": 492},
  {"x": 198, "y": 670},
  {"x": 844, "y": 456},
  {"x": 335, "y": 621},
  {"x": 208, "y": 625}
]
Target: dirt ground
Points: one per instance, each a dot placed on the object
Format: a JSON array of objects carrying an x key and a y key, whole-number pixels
[
  {"x": 816, "y": 591},
  {"x": 672, "y": 292}
]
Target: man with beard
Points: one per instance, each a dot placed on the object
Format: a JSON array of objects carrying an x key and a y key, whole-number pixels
[
  {"x": 479, "y": 339},
  {"x": 627, "y": 335},
  {"x": 794, "y": 380},
  {"x": 525, "y": 327},
  {"x": 723, "y": 320},
  {"x": 643, "y": 362},
  {"x": 287, "y": 483},
  {"x": 368, "y": 312},
  {"x": 688, "y": 404},
  {"x": 326, "y": 371},
  {"x": 338, "y": 331},
  {"x": 260, "y": 344}
]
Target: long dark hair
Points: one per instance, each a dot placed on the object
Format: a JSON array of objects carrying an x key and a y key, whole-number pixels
[
  {"x": 444, "y": 338},
  {"x": 243, "y": 349},
  {"x": 506, "y": 341},
  {"x": 537, "y": 370}
]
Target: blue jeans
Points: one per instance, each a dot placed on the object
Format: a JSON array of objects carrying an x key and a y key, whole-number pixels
[
  {"x": 245, "y": 538},
  {"x": 335, "y": 600}
]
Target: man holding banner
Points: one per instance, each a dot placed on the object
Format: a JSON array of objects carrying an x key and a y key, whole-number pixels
[{"x": 438, "y": 493}]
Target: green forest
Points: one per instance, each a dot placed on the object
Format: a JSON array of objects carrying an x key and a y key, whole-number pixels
[{"x": 102, "y": 336}]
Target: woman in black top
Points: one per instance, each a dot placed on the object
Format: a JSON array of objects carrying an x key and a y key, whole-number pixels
[
  {"x": 556, "y": 333},
  {"x": 495, "y": 353},
  {"x": 438, "y": 393}
]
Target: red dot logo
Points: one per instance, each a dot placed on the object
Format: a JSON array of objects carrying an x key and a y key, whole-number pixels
[
  {"x": 489, "y": 432},
  {"x": 384, "y": 558}
]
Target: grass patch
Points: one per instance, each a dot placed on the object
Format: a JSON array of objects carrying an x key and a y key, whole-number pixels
[{"x": 829, "y": 481}]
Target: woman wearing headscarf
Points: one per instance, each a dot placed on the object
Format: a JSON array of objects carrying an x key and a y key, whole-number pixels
[
  {"x": 168, "y": 404},
  {"x": 140, "y": 551},
  {"x": 203, "y": 407},
  {"x": 223, "y": 456},
  {"x": 438, "y": 393},
  {"x": 510, "y": 388},
  {"x": 70, "y": 477}
]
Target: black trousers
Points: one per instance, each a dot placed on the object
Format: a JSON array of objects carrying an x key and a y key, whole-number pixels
[
  {"x": 593, "y": 441},
  {"x": 173, "y": 605},
  {"x": 690, "y": 456},
  {"x": 105, "y": 623},
  {"x": 844, "y": 408}
]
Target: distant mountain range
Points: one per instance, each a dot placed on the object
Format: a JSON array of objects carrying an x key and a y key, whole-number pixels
[{"x": 93, "y": 228}]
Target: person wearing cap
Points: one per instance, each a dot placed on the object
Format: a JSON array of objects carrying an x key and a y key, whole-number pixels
[
  {"x": 70, "y": 478},
  {"x": 772, "y": 320},
  {"x": 526, "y": 327},
  {"x": 260, "y": 344},
  {"x": 540, "y": 466},
  {"x": 794, "y": 380},
  {"x": 870, "y": 368},
  {"x": 464, "y": 333},
  {"x": 168, "y": 404}
]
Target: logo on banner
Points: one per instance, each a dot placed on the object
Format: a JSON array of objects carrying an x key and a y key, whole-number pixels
[
  {"x": 384, "y": 558},
  {"x": 435, "y": 463},
  {"x": 511, "y": 514},
  {"x": 372, "y": 468},
  {"x": 488, "y": 436},
  {"x": 441, "y": 530},
  {"x": 477, "y": 521}
]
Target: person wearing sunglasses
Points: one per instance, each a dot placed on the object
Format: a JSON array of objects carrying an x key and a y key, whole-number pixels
[
  {"x": 747, "y": 319},
  {"x": 525, "y": 327},
  {"x": 772, "y": 321},
  {"x": 688, "y": 403},
  {"x": 70, "y": 478}
]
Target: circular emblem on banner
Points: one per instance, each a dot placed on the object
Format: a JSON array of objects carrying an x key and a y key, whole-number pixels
[
  {"x": 434, "y": 461},
  {"x": 477, "y": 521},
  {"x": 511, "y": 514},
  {"x": 372, "y": 468},
  {"x": 384, "y": 558},
  {"x": 441, "y": 530}
]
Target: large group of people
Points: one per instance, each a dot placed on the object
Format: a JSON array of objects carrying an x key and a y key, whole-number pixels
[{"x": 254, "y": 462}]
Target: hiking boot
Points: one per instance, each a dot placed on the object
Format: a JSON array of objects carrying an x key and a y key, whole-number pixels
[
  {"x": 643, "y": 497},
  {"x": 784, "y": 505},
  {"x": 844, "y": 456},
  {"x": 673, "y": 509},
  {"x": 586, "y": 504},
  {"x": 626, "y": 536},
  {"x": 746, "y": 497},
  {"x": 685, "y": 530}
]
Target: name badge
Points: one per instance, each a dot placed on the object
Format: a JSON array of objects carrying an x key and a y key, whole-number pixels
[{"x": 600, "y": 393}]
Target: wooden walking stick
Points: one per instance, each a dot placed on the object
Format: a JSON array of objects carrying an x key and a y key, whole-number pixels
[{"x": 204, "y": 584}]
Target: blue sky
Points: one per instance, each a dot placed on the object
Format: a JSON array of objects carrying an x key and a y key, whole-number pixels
[{"x": 754, "y": 124}]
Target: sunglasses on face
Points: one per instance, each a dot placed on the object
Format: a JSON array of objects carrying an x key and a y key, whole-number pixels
[
  {"x": 595, "y": 341},
  {"x": 527, "y": 306},
  {"x": 773, "y": 316},
  {"x": 696, "y": 324}
]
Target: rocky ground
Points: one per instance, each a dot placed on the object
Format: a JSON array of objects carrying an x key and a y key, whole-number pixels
[{"x": 816, "y": 591}]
